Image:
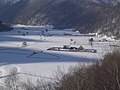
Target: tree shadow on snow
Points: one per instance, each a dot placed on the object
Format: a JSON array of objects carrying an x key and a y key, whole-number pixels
[
  {"x": 22, "y": 55},
  {"x": 4, "y": 38}
]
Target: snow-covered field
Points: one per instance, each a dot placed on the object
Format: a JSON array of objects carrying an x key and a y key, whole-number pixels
[{"x": 36, "y": 59}]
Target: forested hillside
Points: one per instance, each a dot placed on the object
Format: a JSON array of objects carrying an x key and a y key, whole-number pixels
[
  {"x": 4, "y": 27},
  {"x": 84, "y": 15}
]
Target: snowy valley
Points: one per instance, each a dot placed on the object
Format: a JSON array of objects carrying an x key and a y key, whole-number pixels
[{"x": 25, "y": 49}]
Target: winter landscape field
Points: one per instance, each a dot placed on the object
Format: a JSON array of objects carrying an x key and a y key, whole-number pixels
[
  {"x": 59, "y": 44},
  {"x": 25, "y": 49}
]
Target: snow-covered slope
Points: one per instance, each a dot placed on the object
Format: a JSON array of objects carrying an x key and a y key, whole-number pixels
[
  {"x": 106, "y": 1},
  {"x": 9, "y": 1}
]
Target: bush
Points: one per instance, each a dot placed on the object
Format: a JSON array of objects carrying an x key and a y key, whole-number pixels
[
  {"x": 4, "y": 27},
  {"x": 103, "y": 75}
]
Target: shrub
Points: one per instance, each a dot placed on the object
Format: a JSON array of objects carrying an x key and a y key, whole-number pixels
[{"x": 102, "y": 75}]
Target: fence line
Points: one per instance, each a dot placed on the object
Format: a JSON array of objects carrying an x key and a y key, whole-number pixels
[
  {"x": 28, "y": 74},
  {"x": 37, "y": 76}
]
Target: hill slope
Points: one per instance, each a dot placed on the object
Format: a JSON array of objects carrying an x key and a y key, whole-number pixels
[
  {"x": 4, "y": 27},
  {"x": 86, "y": 15}
]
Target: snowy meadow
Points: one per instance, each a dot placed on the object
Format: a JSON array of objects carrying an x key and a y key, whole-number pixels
[{"x": 25, "y": 48}]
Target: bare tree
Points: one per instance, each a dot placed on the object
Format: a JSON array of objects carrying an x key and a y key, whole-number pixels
[{"x": 12, "y": 81}]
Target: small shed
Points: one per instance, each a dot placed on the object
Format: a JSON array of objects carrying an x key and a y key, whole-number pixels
[
  {"x": 91, "y": 39},
  {"x": 66, "y": 47},
  {"x": 81, "y": 48}
]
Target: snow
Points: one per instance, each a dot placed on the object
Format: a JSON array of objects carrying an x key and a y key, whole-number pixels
[
  {"x": 114, "y": 2},
  {"x": 36, "y": 59}
]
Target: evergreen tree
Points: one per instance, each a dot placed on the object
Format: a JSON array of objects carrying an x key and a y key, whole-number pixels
[{"x": 0, "y": 22}]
